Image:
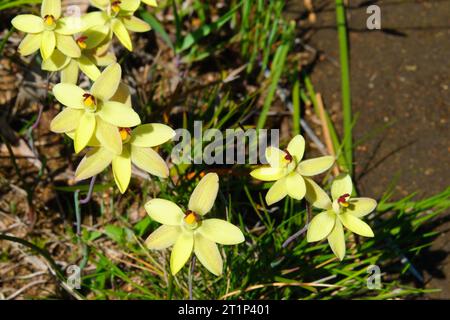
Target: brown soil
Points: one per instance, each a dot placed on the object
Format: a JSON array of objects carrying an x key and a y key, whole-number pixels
[{"x": 400, "y": 79}]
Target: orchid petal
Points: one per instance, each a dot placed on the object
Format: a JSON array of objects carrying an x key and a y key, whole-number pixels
[
  {"x": 30, "y": 44},
  {"x": 70, "y": 73},
  {"x": 48, "y": 44},
  {"x": 95, "y": 161},
  {"x": 297, "y": 147},
  {"x": 68, "y": 46},
  {"x": 122, "y": 34},
  {"x": 52, "y": 8},
  {"x": 149, "y": 160},
  {"x": 312, "y": 167},
  {"x": 121, "y": 166},
  {"x": 163, "y": 237},
  {"x": 336, "y": 240},
  {"x": 321, "y": 226},
  {"x": 84, "y": 132},
  {"x": 108, "y": 136},
  {"x": 208, "y": 254},
  {"x": 360, "y": 207},
  {"x": 69, "y": 95},
  {"x": 316, "y": 196},
  {"x": 267, "y": 173},
  {"x": 205, "y": 193},
  {"x": 56, "y": 62},
  {"x": 164, "y": 212},
  {"x": 28, "y": 23},
  {"x": 181, "y": 251},
  {"x": 67, "y": 120},
  {"x": 295, "y": 186},
  {"x": 151, "y": 135},
  {"x": 341, "y": 185},
  {"x": 107, "y": 83},
  {"x": 356, "y": 225},
  {"x": 221, "y": 231},
  {"x": 276, "y": 192}
]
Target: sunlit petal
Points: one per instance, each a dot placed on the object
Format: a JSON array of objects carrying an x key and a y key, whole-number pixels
[
  {"x": 84, "y": 132},
  {"x": 28, "y": 23},
  {"x": 51, "y": 7},
  {"x": 181, "y": 251},
  {"x": 276, "y": 192},
  {"x": 68, "y": 46},
  {"x": 341, "y": 185},
  {"x": 321, "y": 226},
  {"x": 69, "y": 95},
  {"x": 135, "y": 24},
  {"x": 119, "y": 114},
  {"x": 356, "y": 225},
  {"x": 151, "y": 135},
  {"x": 109, "y": 136},
  {"x": 122, "y": 34},
  {"x": 30, "y": 44},
  {"x": 151, "y": 2},
  {"x": 336, "y": 240},
  {"x": 295, "y": 186},
  {"x": 205, "y": 193},
  {"x": 163, "y": 237},
  {"x": 275, "y": 157},
  {"x": 221, "y": 231},
  {"x": 48, "y": 44},
  {"x": 312, "y": 167},
  {"x": 69, "y": 74},
  {"x": 121, "y": 166},
  {"x": 208, "y": 254},
  {"x": 108, "y": 82},
  {"x": 149, "y": 160},
  {"x": 297, "y": 147},
  {"x": 67, "y": 120},
  {"x": 164, "y": 212},
  {"x": 95, "y": 161},
  {"x": 88, "y": 68},
  {"x": 266, "y": 173},
  {"x": 360, "y": 207}
]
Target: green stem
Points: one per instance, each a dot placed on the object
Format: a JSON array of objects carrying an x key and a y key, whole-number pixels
[{"x": 345, "y": 83}]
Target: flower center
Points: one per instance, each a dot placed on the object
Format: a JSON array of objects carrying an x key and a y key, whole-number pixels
[
  {"x": 288, "y": 157},
  {"x": 343, "y": 200},
  {"x": 115, "y": 6},
  {"x": 89, "y": 102},
  {"x": 125, "y": 134},
  {"x": 191, "y": 218},
  {"x": 49, "y": 20},
  {"x": 81, "y": 41}
]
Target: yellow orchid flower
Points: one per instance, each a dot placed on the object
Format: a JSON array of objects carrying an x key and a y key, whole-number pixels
[
  {"x": 118, "y": 17},
  {"x": 342, "y": 211},
  {"x": 88, "y": 60},
  {"x": 187, "y": 231},
  {"x": 85, "y": 109},
  {"x": 137, "y": 150},
  {"x": 289, "y": 171},
  {"x": 49, "y": 31}
]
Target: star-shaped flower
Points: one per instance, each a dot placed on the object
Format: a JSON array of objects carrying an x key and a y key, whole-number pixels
[
  {"x": 118, "y": 17},
  {"x": 49, "y": 31},
  {"x": 137, "y": 150},
  {"x": 188, "y": 231},
  {"x": 289, "y": 171},
  {"x": 88, "y": 60},
  {"x": 342, "y": 211},
  {"x": 93, "y": 113}
]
